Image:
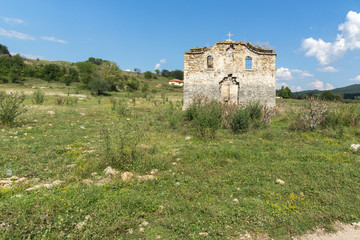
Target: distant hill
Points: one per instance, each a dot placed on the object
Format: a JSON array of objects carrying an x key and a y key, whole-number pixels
[{"x": 349, "y": 92}]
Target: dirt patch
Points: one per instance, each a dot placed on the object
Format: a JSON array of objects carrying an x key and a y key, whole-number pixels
[
  {"x": 344, "y": 232},
  {"x": 29, "y": 92}
]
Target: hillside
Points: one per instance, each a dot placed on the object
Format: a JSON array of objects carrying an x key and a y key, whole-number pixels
[{"x": 349, "y": 92}]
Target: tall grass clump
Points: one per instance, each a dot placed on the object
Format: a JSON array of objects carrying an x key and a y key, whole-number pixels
[
  {"x": 11, "y": 106},
  {"x": 205, "y": 115},
  {"x": 38, "y": 97},
  {"x": 118, "y": 106},
  {"x": 173, "y": 114},
  {"x": 343, "y": 115},
  {"x": 120, "y": 146},
  {"x": 242, "y": 119}
]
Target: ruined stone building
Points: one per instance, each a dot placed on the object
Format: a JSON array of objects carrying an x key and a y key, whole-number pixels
[{"x": 230, "y": 71}]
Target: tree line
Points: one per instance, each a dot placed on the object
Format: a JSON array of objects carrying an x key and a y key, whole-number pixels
[{"x": 95, "y": 74}]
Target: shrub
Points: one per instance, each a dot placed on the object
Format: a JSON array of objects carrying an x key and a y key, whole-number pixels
[
  {"x": 71, "y": 100},
  {"x": 120, "y": 145},
  {"x": 240, "y": 120},
  {"x": 38, "y": 97},
  {"x": 11, "y": 106},
  {"x": 205, "y": 115},
  {"x": 60, "y": 100},
  {"x": 310, "y": 116},
  {"x": 120, "y": 107}
]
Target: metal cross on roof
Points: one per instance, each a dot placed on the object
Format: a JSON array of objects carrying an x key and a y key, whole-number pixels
[{"x": 229, "y": 35}]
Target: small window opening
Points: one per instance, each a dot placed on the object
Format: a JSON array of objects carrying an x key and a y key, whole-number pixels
[
  {"x": 210, "y": 62},
  {"x": 248, "y": 63}
]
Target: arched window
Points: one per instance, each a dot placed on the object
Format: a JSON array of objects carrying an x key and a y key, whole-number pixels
[
  {"x": 248, "y": 63},
  {"x": 210, "y": 62}
]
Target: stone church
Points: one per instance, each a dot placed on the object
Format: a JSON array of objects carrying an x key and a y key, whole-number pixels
[{"x": 230, "y": 71}]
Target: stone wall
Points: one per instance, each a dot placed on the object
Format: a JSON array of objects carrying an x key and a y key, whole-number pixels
[{"x": 227, "y": 79}]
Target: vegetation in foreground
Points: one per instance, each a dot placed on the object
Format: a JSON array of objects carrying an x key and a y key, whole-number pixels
[{"x": 210, "y": 182}]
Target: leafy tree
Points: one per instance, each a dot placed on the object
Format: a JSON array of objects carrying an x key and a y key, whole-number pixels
[
  {"x": 284, "y": 92},
  {"x": 52, "y": 72},
  {"x": 86, "y": 71},
  {"x": 110, "y": 72},
  {"x": 97, "y": 61},
  {"x": 99, "y": 85},
  {"x": 178, "y": 74},
  {"x": 157, "y": 71},
  {"x": 165, "y": 73},
  {"x": 4, "y": 50},
  {"x": 74, "y": 74},
  {"x": 137, "y": 70},
  {"x": 148, "y": 75},
  {"x": 133, "y": 85}
]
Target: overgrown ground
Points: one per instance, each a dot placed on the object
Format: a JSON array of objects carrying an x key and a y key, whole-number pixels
[{"x": 221, "y": 188}]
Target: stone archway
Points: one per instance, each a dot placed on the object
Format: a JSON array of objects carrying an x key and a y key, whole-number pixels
[{"x": 229, "y": 89}]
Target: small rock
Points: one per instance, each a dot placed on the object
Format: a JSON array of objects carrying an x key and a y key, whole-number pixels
[
  {"x": 29, "y": 128},
  {"x": 141, "y": 229},
  {"x": 87, "y": 217},
  {"x": 80, "y": 225},
  {"x": 144, "y": 223},
  {"x": 173, "y": 163},
  {"x": 102, "y": 181},
  {"x": 110, "y": 171},
  {"x": 94, "y": 174},
  {"x": 153, "y": 171},
  {"x": 35, "y": 180},
  {"x": 82, "y": 127},
  {"x": 279, "y": 181},
  {"x": 187, "y": 138},
  {"x": 50, "y": 112},
  {"x": 158, "y": 237},
  {"x": 71, "y": 166},
  {"x": 81, "y": 99},
  {"x": 127, "y": 176},
  {"x": 236, "y": 200},
  {"x": 82, "y": 114},
  {"x": 146, "y": 178},
  {"x": 88, "y": 182},
  {"x": 355, "y": 147},
  {"x": 130, "y": 231},
  {"x": 25, "y": 134},
  {"x": 177, "y": 183},
  {"x": 204, "y": 234}
]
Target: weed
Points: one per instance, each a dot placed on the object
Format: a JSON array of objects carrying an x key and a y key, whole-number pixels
[
  {"x": 60, "y": 100},
  {"x": 38, "y": 97},
  {"x": 240, "y": 120},
  {"x": 120, "y": 146},
  {"x": 11, "y": 106}
]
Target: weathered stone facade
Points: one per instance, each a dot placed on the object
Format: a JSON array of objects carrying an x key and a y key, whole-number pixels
[{"x": 230, "y": 71}]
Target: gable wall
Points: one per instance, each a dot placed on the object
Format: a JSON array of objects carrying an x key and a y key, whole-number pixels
[{"x": 258, "y": 83}]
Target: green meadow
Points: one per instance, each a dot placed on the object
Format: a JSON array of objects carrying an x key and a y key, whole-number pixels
[{"x": 274, "y": 180}]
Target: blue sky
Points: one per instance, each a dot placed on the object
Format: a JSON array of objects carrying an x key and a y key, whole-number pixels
[{"x": 317, "y": 42}]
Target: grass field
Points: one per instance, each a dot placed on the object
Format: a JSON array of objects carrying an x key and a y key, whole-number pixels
[{"x": 202, "y": 188}]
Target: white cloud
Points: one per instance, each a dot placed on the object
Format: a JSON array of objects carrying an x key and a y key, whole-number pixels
[
  {"x": 298, "y": 89},
  {"x": 329, "y": 86},
  {"x": 279, "y": 85},
  {"x": 348, "y": 39},
  {"x": 302, "y": 73},
  {"x": 127, "y": 70},
  {"x": 319, "y": 85},
  {"x": 158, "y": 65},
  {"x": 14, "y": 34},
  {"x": 29, "y": 56},
  {"x": 283, "y": 74},
  {"x": 356, "y": 79},
  {"x": 328, "y": 69},
  {"x": 13, "y": 20},
  {"x": 53, "y": 39}
]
